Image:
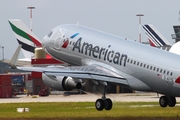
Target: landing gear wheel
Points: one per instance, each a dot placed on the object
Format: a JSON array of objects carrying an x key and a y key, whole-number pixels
[
  {"x": 172, "y": 101},
  {"x": 163, "y": 101},
  {"x": 107, "y": 104},
  {"x": 104, "y": 103},
  {"x": 99, "y": 104}
]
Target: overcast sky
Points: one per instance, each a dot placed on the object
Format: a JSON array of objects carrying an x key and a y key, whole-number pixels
[{"x": 114, "y": 16}]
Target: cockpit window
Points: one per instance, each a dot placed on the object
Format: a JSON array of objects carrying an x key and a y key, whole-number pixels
[{"x": 49, "y": 35}]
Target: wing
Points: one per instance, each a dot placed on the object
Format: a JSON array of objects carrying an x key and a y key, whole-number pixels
[{"x": 95, "y": 72}]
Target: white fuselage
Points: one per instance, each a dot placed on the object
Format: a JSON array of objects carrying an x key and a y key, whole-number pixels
[{"x": 146, "y": 68}]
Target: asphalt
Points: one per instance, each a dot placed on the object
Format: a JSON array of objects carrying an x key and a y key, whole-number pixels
[{"x": 131, "y": 97}]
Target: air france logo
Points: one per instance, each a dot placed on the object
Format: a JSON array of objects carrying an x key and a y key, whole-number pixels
[{"x": 67, "y": 40}]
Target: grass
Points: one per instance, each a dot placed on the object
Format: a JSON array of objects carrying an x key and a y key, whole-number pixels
[{"x": 86, "y": 110}]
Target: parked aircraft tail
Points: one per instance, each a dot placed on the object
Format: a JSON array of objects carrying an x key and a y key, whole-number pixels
[
  {"x": 155, "y": 38},
  {"x": 26, "y": 38}
]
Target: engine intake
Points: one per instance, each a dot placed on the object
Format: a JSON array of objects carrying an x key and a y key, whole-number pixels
[{"x": 69, "y": 84}]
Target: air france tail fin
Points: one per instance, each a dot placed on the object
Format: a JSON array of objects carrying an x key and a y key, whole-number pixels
[
  {"x": 155, "y": 38},
  {"x": 25, "y": 37}
]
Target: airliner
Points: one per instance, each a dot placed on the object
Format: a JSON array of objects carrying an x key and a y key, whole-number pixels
[{"x": 104, "y": 58}]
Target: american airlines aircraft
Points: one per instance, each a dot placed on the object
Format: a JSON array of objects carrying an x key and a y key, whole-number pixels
[{"x": 104, "y": 58}]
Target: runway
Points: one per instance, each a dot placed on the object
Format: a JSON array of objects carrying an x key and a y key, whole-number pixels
[{"x": 131, "y": 97}]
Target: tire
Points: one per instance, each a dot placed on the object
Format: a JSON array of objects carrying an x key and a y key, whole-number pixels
[
  {"x": 171, "y": 101},
  {"x": 99, "y": 104},
  {"x": 107, "y": 104},
  {"x": 163, "y": 101}
]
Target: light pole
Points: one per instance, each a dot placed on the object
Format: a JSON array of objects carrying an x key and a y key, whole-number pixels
[
  {"x": 31, "y": 16},
  {"x": 2, "y": 48},
  {"x": 3, "y": 53},
  {"x": 139, "y": 26},
  {"x": 31, "y": 8}
]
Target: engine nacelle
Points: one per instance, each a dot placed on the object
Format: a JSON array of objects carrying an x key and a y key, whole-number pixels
[{"x": 61, "y": 83}]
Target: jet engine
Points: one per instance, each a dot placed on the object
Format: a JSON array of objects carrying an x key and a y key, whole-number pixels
[{"x": 62, "y": 83}]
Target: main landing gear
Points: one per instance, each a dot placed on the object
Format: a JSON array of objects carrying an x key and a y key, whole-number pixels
[
  {"x": 104, "y": 103},
  {"x": 166, "y": 100}
]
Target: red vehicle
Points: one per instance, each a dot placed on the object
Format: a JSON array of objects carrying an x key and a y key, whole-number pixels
[{"x": 43, "y": 92}]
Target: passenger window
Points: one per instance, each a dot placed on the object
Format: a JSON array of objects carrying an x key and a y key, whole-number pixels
[
  {"x": 161, "y": 71},
  {"x": 171, "y": 74},
  {"x": 167, "y": 72},
  {"x": 137, "y": 63},
  {"x": 131, "y": 61},
  {"x": 164, "y": 71},
  {"x": 151, "y": 68},
  {"x": 154, "y": 68},
  {"x": 134, "y": 62},
  {"x": 49, "y": 35},
  {"x": 147, "y": 66},
  {"x": 141, "y": 65},
  {"x": 144, "y": 65},
  {"x": 128, "y": 60},
  {"x": 157, "y": 69}
]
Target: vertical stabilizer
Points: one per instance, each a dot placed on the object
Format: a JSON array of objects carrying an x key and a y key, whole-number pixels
[
  {"x": 25, "y": 37},
  {"x": 155, "y": 38}
]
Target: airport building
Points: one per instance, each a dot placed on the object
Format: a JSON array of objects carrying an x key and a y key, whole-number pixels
[{"x": 176, "y": 36}]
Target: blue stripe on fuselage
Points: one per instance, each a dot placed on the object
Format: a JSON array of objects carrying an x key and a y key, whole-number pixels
[{"x": 73, "y": 36}]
